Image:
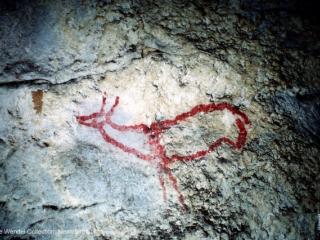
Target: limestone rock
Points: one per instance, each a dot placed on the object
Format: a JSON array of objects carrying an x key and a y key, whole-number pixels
[{"x": 61, "y": 179}]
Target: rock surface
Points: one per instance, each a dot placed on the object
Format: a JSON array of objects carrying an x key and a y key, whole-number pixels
[{"x": 57, "y": 58}]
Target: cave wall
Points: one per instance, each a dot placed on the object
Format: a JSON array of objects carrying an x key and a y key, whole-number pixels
[{"x": 58, "y": 59}]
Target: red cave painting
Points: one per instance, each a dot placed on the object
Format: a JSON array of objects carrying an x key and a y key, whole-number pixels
[{"x": 153, "y": 134}]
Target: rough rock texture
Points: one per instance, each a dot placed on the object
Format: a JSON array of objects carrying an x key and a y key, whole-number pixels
[{"x": 161, "y": 58}]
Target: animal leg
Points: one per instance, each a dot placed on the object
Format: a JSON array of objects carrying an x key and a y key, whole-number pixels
[
  {"x": 163, "y": 186},
  {"x": 174, "y": 183}
]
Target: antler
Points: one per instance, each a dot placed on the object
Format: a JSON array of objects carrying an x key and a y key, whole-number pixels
[
  {"x": 110, "y": 112},
  {"x": 82, "y": 119}
]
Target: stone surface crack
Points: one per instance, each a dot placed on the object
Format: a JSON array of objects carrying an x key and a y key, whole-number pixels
[{"x": 54, "y": 207}]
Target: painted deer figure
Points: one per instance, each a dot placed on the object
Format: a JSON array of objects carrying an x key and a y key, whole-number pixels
[{"x": 153, "y": 133}]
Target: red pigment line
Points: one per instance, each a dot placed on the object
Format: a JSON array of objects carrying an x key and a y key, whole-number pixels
[
  {"x": 123, "y": 147},
  {"x": 113, "y": 107},
  {"x": 104, "y": 101},
  {"x": 174, "y": 183},
  {"x": 233, "y": 110},
  {"x": 91, "y": 116},
  {"x": 202, "y": 153},
  {"x": 242, "y": 137},
  {"x": 93, "y": 123},
  {"x": 205, "y": 108},
  {"x": 163, "y": 187},
  {"x": 122, "y": 128},
  {"x": 157, "y": 128},
  {"x": 237, "y": 145}
]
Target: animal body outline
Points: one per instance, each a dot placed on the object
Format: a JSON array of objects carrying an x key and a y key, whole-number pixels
[{"x": 154, "y": 131}]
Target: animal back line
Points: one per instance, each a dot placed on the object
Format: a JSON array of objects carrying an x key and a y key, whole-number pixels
[{"x": 204, "y": 108}]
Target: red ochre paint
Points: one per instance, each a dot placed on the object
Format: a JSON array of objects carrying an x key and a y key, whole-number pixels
[{"x": 154, "y": 131}]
